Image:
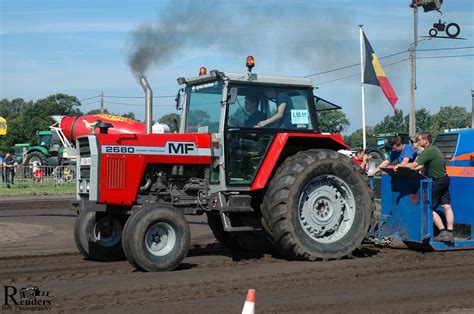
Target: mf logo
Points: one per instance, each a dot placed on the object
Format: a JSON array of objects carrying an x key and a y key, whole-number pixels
[{"x": 180, "y": 148}]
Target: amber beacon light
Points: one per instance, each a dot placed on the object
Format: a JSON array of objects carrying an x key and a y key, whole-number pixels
[
  {"x": 202, "y": 71},
  {"x": 250, "y": 63}
]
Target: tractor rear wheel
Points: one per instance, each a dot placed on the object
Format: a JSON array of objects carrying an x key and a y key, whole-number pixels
[
  {"x": 156, "y": 238},
  {"x": 34, "y": 158},
  {"x": 247, "y": 241},
  {"x": 317, "y": 206},
  {"x": 95, "y": 240}
]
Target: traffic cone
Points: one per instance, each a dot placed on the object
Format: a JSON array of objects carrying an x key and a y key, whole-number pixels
[{"x": 249, "y": 306}]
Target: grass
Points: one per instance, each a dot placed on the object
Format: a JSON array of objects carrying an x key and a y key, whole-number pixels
[{"x": 32, "y": 189}]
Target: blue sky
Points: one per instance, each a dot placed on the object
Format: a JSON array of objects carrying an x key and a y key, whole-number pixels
[{"x": 81, "y": 48}]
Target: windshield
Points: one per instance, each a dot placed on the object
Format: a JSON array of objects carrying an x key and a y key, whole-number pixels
[
  {"x": 203, "y": 110},
  {"x": 269, "y": 107},
  {"x": 45, "y": 140}
]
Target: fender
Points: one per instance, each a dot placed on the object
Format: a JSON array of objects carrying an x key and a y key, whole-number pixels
[
  {"x": 276, "y": 152},
  {"x": 40, "y": 149}
]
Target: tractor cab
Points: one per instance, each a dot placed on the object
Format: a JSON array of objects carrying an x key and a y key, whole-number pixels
[{"x": 237, "y": 109}]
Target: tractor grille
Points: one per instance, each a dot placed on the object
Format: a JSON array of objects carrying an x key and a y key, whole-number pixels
[
  {"x": 85, "y": 155},
  {"x": 447, "y": 144},
  {"x": 116, "y": 170}
]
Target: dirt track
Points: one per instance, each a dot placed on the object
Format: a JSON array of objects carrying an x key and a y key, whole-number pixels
[{"x": 37, "y": 247}]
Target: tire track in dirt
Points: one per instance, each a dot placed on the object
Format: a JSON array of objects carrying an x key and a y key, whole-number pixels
[{"x": 213, "y": 279}]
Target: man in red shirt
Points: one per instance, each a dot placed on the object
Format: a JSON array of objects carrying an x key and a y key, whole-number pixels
[{"x": 361, "y": 159}]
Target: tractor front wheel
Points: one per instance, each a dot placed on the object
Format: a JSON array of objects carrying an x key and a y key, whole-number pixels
[
  {"x": 156, "y": 238},
  {"x": 317, "y": 206},
  {"x": 96, "y": 239}
]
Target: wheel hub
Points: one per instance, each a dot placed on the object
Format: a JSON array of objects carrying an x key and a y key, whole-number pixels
[
  {"x": 160, "y": 239},
  {"x": 326, "y": 208},
  {"x": 107, "y": 235}
]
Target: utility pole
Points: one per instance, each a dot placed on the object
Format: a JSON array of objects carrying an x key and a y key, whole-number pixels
[
  {"x": 102, "y": 102},
  {"x": 411, "y": 117},
  {"x": 472, "y": 109}
]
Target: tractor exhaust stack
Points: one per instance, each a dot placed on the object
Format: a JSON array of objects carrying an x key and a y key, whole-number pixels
[{"x": 148, "y": 104}]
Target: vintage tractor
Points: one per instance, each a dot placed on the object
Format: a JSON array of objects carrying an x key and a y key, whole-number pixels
[{"x": 282, "y": 187}]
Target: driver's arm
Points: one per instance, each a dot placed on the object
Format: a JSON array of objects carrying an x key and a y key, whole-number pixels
[{"x": 276, "y": 117}]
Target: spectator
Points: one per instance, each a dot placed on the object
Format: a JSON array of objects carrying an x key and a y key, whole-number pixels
[
  {"x": 38, "y": 175},
  {"x": 432, "y": 159},
  {"x": 9, "y": 165},
  {"x": 401, "y": 154},
  {"x": 361, "y": 158}
]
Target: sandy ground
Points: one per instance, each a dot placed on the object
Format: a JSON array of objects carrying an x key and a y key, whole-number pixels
[{"x": 37, "y": 248}]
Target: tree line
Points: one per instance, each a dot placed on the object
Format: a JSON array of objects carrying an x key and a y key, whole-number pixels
[
  {"x": 25, "y": 118},
  {"x": 448, "y": 117}
]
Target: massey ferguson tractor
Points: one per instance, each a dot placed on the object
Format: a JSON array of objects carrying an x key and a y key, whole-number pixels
[{"x": 280, "y": 188}]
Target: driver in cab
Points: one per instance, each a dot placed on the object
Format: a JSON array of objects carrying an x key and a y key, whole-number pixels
[{"x": 254, "y": 115}]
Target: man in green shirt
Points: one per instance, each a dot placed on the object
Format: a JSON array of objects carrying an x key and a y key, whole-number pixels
[{"x": 433, "y": 162}]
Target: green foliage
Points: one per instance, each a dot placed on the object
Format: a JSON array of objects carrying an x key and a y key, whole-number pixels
[
  {"x": 129, "y": 115},
  {"x": 392, "y": 123},
  {"x": 97, "y": 111},
  {"x": 24, "y": 119},
  {"x": 198, "y": 118},
  {"x": 355, "y": 139},
  {"x": 172, "y": 120},
  {"x": 328, "y": 120},
  {"x": 449, "y": 118}
]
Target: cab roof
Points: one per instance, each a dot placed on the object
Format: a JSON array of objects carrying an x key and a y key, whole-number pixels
[{"x": 252, "y": 78}]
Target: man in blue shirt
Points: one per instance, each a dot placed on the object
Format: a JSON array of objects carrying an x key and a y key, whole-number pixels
[{"x": 401, "y": 154}]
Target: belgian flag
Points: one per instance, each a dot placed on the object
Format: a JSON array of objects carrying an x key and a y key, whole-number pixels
[{"x": 375, "y": 75}]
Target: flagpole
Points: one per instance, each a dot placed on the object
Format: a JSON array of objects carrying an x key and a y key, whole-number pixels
[{"x": 364, "y": 143}]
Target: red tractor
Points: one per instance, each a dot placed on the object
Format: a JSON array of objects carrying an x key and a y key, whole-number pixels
[{"x": 277, "y": 185}]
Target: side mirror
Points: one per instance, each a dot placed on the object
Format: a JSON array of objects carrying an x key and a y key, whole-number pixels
[
  {"x": 232, "y": 97},
  {"x": 337, "y": 129},
  {"x": 178, "y": 99}
]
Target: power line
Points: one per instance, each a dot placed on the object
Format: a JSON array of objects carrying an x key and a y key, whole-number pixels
[
  {"x": 445, "y": 57},
  {"x": 355, "y": 64},
  {"x": 388, "y": 56},
  {"x": 88, "y": 98},
  {"x": 90, "y": 103},
  {"x": 452, "y": 48},
  {"x": 141, "y": 97},
  {"x": 135, "y": 105},
  {"x": 358, "y": 73}
]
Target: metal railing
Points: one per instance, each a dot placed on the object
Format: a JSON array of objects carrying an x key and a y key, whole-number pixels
[{"x": 57, "y": 175}]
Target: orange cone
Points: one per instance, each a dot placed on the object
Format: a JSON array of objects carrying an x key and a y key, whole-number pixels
[{"x": 249, "y": 306}]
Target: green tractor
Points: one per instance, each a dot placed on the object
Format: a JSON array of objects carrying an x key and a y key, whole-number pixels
[
  {"x": 19, "y": 151},
  {"x": 38, "y": 155},
  {"x": 49, "y": 151}
]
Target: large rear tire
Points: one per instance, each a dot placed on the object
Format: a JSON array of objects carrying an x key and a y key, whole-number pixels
[
  {"x": 34, "y": 158},
  {"x": 317, "y": 206},
  {"x": 156, "y": 238},
  {"x": 95, "y": 241},
  {"x": 247, "y": 241}
]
